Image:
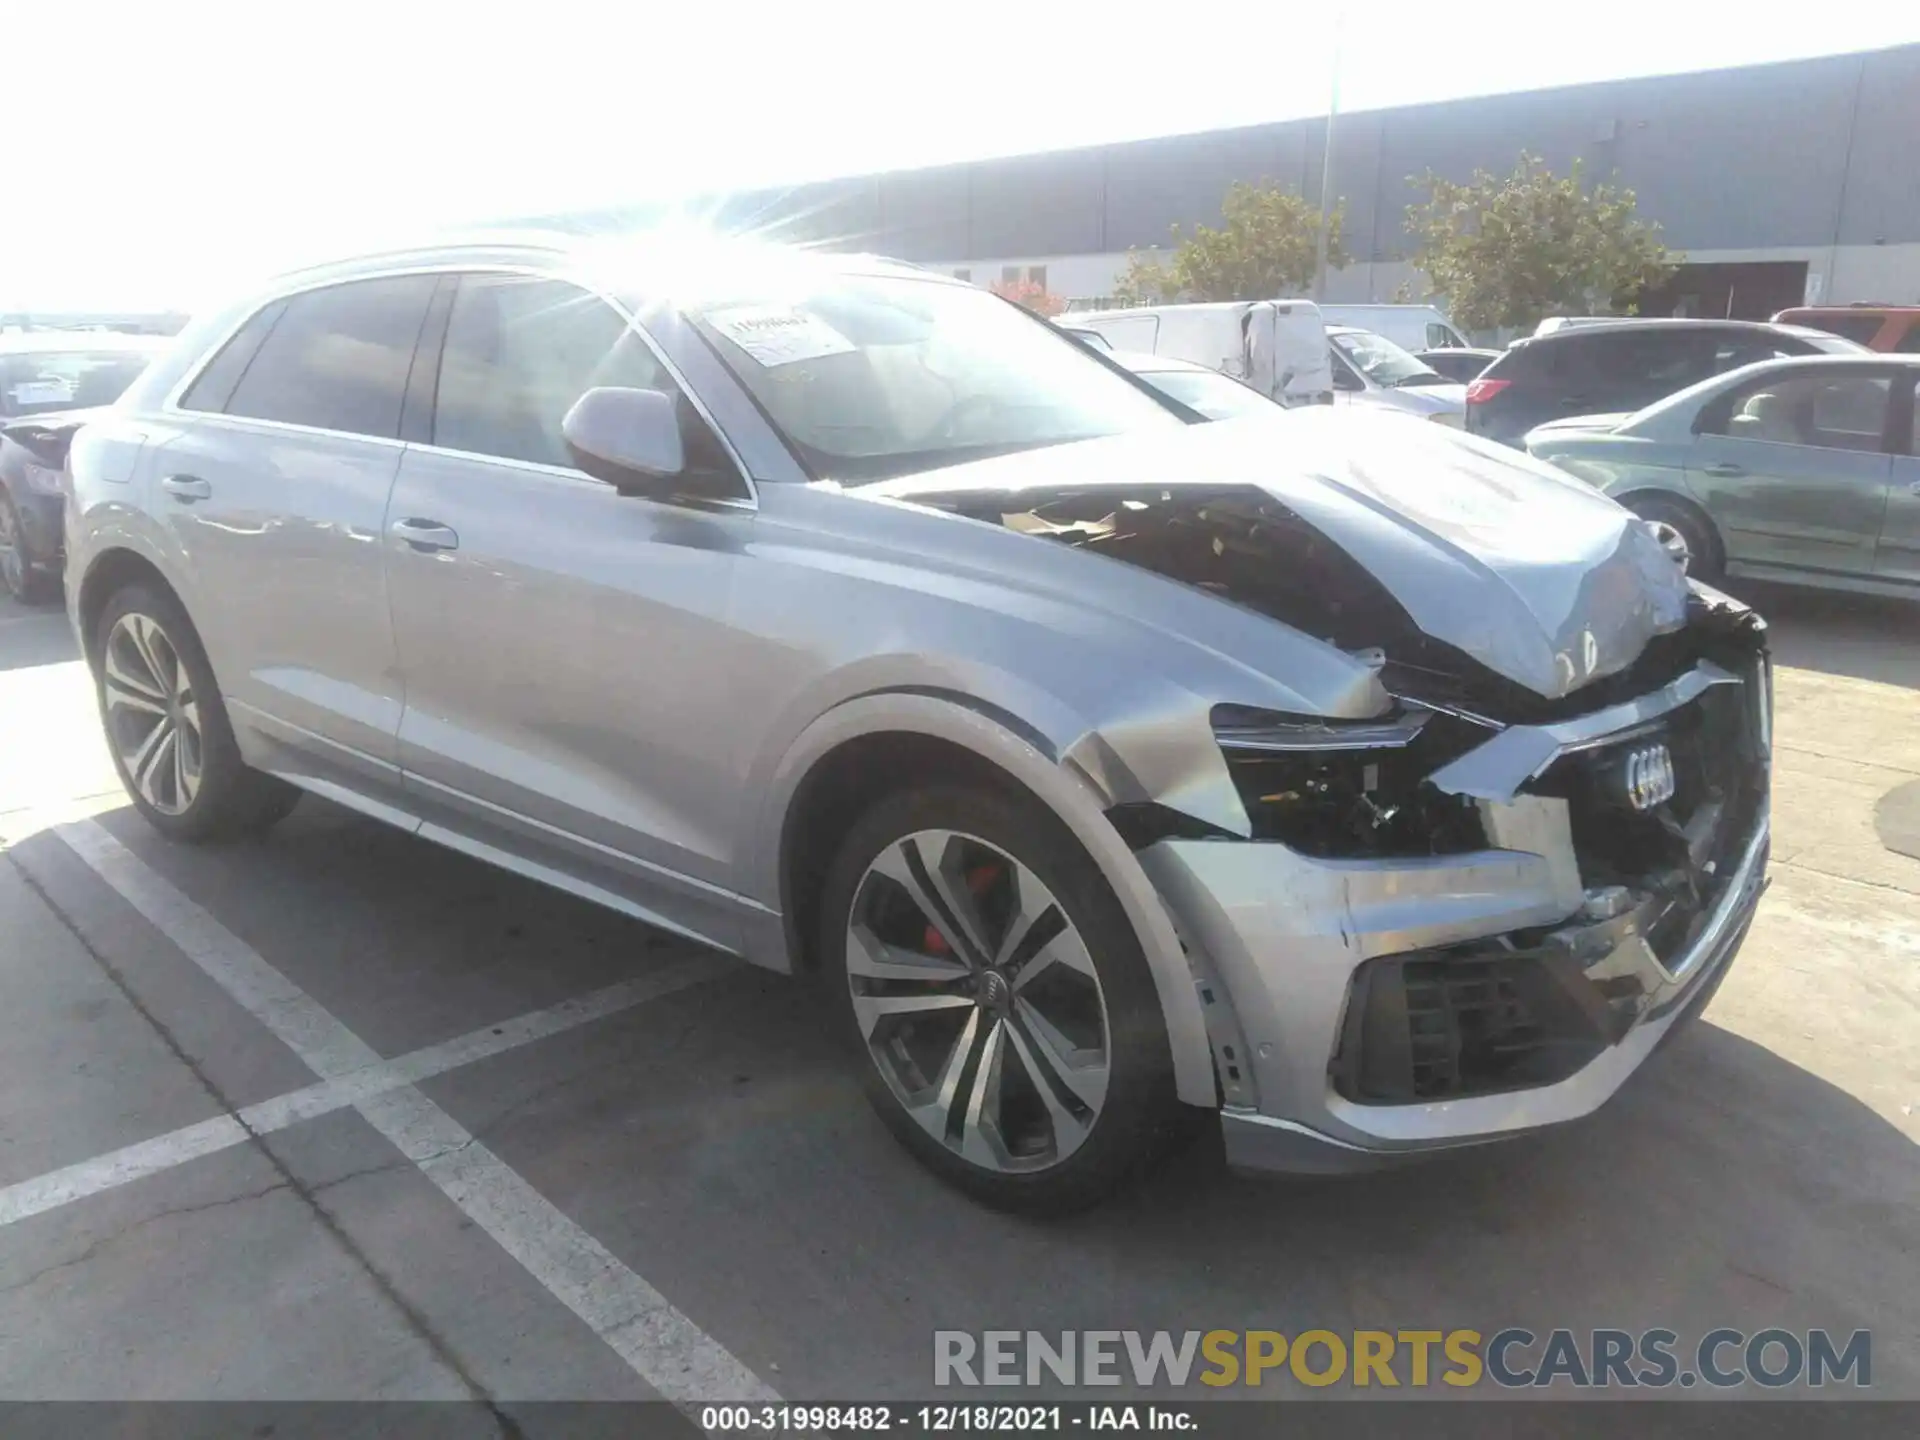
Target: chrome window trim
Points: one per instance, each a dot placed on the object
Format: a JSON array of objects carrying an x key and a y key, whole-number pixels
[{"x": 171, "y": 408}]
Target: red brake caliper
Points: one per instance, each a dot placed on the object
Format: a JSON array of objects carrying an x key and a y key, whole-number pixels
[{"x": 978, "y": 879}]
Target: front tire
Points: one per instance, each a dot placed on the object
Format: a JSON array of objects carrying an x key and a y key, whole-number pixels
[
  {"x": 167, "y": 728},
  {"x": 19, "y": 577},
  {"x": 1687, "y": 534},
  {"x": 996, "y": 1000}
]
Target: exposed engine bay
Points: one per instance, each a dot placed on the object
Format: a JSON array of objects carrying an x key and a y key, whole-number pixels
[{"x": 1644, "y": 856}]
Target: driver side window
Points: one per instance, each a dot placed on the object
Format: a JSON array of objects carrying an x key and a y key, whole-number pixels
[{"x": 518, "y": 353}]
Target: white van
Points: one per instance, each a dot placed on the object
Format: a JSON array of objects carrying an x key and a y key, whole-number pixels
[
  {"x": 1411, "y": 327},
  {"x": 1279, "y": 347}
]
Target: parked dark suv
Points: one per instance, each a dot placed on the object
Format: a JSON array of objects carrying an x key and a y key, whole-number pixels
[{"x": 1619, "y": 367}]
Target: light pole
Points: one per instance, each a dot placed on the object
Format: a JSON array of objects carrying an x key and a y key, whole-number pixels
[{"x": 1326, "y": 164}]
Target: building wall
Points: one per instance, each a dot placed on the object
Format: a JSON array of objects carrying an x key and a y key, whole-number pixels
[{"x": 1806, "y": 160}]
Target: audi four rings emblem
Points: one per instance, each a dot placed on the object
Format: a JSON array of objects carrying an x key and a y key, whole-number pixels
[{"x": 1649, "y": 777}]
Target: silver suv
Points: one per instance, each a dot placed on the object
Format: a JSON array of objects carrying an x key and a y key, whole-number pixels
[{"x": 1374, "y": 787}]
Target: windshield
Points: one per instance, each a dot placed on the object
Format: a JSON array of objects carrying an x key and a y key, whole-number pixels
[
  {"x": 869, "y": 377},
  {"x": 40, "y": 381},
  {"x": 1216, "y": 396},
  {"x": 1384, "y": 362}
]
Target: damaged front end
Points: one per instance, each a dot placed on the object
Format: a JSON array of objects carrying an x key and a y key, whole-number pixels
[
  {"x": 1476, "y": 911},
  {"x": 1457, "y": 929}
]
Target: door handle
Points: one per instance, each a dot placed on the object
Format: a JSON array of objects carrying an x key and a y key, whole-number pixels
[
  {"x": 187, "y": 488},
  {"x": 426, "y": 536},
  {"x": 1724, "y": 467}
]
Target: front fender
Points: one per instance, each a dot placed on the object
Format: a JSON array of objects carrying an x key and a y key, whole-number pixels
[{"x": 1062, "y": 787}]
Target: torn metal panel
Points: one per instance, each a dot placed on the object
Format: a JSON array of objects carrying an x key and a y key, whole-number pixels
[
  {"x": 1497, "y": 769},
  {"x": 1501, "y": 558}
]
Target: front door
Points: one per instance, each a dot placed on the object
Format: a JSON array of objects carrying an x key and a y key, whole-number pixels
[
  {"x": 276, "y": 496},
  {"x": 1794, "y": 469},
  {"x": 1899, "y": 555},
  {"x": 564, "y": 647}
]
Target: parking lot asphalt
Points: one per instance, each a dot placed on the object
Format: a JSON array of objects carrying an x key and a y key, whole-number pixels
[{"x": 337, "y": 1114}]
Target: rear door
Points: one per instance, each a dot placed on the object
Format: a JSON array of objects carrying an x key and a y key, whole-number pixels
[
  {"x": 1794, "y": 469},
  {"x": 275, "y": 494},
  {"x": 1898, "y": 557}
]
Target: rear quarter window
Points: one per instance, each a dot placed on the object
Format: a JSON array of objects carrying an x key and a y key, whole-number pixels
[{"x": 338, "y": 358}]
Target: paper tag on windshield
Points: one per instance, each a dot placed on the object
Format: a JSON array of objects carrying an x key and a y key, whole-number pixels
[
  {"x": 42, "y": 392},
  {"x": 780, "y": 337}
]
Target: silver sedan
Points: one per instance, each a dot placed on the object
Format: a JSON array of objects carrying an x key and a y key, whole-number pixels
[
  {"x": 1377, "y": 789},
  {"x": 1803, "y": 470}
]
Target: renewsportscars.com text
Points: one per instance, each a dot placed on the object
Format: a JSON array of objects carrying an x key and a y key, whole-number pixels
[{"x": 1513, "y": 1358}]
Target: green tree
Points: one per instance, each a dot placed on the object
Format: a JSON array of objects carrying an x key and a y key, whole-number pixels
[
  {"x": 1264, "y": 249},
  {"x": 1507, "y": 251}
]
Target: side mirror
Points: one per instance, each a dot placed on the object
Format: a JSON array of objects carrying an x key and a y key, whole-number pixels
[{"x": 632, "y": 440}]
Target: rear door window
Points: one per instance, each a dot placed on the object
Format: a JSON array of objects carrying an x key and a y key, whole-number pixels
[
  {"x": 338, "y": 358},
  {"x": 1637, "y": 367}
]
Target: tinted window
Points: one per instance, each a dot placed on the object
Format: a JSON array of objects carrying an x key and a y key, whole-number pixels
[
  {"x": 1909, "y": 343},
  {"x": 519, "y": 353},
  {"x": 1825, "y": 411},
  {"x": 216, "y": 383},
  {"x": 1667, "y": 360},
  {"x": 338, "y": 358},
  {"x": 1861, "y": 328},
  {"x": 1439, "y": 337}
]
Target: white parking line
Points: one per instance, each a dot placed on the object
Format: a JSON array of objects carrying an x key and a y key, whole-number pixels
[
  {"x": 666, "y": 1349},
  {"x": 190, "y": 1142}
]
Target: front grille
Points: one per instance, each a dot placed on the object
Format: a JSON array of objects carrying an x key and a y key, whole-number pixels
[
  {"x": 1449, "y": 1024},
  {"x": 1680, "y": 852},
  {"x": 1523, "y": 1011}
]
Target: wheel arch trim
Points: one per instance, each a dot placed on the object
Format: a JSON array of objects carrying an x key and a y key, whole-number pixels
[{"x": 1064, "y": 789}]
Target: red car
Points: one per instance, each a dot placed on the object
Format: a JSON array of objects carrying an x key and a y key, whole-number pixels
[{"x": 1891, "y": 329}]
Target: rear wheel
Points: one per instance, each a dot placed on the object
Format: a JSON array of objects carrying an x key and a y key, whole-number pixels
[
  {"x": 996, "y": 999},
  {"x": 1687, "y": 534},
  {"x": 167, "y": 728}
]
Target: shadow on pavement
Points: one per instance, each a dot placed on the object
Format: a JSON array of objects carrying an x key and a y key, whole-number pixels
[
  {"x": 33, "y": 635},
  {"x": 716, "y": 1140},
  {"x": 1865, "y": 636}
]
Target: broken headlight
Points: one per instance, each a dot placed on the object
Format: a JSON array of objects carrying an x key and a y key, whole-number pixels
[{"x": 1348, "y": 788}]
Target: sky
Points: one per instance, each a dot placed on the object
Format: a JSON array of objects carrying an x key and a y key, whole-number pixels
[{"x": 163, "y": 154}]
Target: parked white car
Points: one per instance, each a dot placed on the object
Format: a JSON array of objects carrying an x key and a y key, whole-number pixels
[
  {"x": 1278, "y": 347},
  {"x": 1411, "y": 327},
  {"x": 1369, "y": 369}
]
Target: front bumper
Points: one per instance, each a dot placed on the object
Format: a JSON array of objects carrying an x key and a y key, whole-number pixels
[{"x": 1278, "y": 938}]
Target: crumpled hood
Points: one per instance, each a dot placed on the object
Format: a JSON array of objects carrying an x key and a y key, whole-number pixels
[{"x": 1528, "y": 571}]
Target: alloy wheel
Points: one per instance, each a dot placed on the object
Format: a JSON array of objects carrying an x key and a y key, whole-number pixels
[
  {"x": 153, "y": 717},
  {"x": 13, "y": 563},
  {"x": 979, "y": 1001},
  {"x": 1672, "y": 541}
]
